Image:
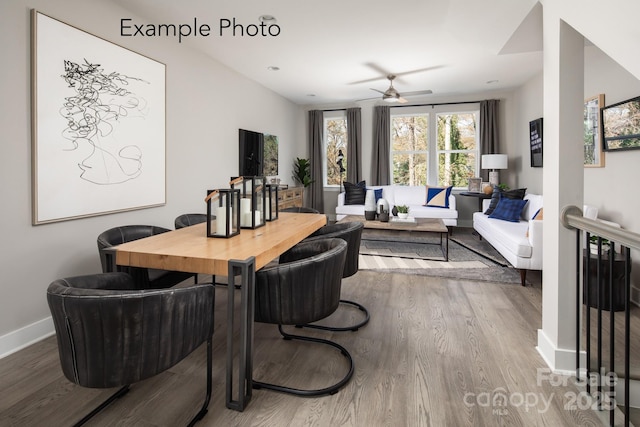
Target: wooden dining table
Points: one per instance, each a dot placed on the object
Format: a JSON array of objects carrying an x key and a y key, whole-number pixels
[{"x": 239, "y": 257}]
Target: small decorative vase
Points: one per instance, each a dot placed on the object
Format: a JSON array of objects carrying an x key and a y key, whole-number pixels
[
  {"x": 394, "y": 211},
  {"x": 382, "y": 206},
  {"x": 370, "y": 201},
  {"x": 384, "y": 217},
  {"x": 369, "y": 215}
]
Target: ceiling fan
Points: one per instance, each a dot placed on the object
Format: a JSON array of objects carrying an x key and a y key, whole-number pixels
[{"x": 392, "y": 95}]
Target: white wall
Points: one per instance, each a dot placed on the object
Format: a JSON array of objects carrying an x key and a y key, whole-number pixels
[
  {"x": 528, "y": 99},
  {"x": 206, "y": 104},
  {"x": 611, "y": 188}
]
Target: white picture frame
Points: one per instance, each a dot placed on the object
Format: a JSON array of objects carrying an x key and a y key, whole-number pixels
[{"x": 98, "y": 125}]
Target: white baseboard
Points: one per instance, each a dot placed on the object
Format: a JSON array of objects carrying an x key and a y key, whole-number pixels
[
  {"x": 558, "y": 359},
  {"x": 24, "y": 337},
  {"x": 564, "y": 362}
]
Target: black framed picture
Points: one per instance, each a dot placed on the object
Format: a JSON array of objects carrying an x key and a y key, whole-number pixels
[
  {"x": 535, "y": 140},
  {"x": 621, "y": 125}
]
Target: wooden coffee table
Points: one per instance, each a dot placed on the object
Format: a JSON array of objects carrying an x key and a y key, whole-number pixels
[{"x": 423, "y": 225}]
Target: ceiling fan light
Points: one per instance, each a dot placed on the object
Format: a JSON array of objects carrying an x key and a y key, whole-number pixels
[{"x": 389, "y": 98}]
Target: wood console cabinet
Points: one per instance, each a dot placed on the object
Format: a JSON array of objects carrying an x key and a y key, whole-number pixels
[{"x": 291, "y": 197}]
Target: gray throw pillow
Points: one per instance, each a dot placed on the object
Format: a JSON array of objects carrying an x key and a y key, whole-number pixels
[{"x": 354, "y": 193}]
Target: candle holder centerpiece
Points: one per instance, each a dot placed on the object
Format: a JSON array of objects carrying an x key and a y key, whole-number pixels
[
  {"x": 223, "y": 213},
  {"x": 252, "y": 200},
  {"x": 271, "y": 202}
]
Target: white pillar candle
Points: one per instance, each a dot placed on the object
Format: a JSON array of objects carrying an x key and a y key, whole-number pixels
[
  {"x": 257, "y": 217},
  {"x": 245, "y": 206},
  {"x": 221, "y": 221},
  {"x": 245, "y": 219}
]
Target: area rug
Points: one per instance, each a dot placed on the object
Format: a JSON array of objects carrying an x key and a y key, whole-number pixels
[{"x": 420, "y": 254}]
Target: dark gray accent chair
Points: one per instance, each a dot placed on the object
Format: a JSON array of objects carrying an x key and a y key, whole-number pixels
[
  {"x": 186, "y": 220},
  {"x": 147, "y": 278},
  {"x": 304, "y": 287},
  {"x": 300, "y": 209},
  {"x": 350, "y": 232},
  {"x": 112, "y": 334}
]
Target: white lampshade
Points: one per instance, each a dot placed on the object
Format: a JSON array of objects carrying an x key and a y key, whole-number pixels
[{"x": 494, "y": 161}]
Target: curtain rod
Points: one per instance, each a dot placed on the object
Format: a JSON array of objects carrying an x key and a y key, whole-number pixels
[
  {"x": 416, "y": 105},
  {"x": 436, "y": 103}
]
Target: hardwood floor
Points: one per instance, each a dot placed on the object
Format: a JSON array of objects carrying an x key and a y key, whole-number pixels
[{"x": 436, "y": 352}]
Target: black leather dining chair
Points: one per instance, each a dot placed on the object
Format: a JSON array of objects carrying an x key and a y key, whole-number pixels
[
  {"x": 350, "y": 232},
  {"x": 300, "y": 209},
  {"x": 304, "y": 287},
  {"x": 112, "y": 334},
  {"x": 186, "y": 220},
  {"x": 147, "y": 278}
]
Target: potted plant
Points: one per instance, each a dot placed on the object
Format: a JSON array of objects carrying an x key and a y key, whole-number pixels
[
  {"x": 593, "y": 244},
  {"x": 403, "y": 211},
  {"x": 302, "y": 172}
]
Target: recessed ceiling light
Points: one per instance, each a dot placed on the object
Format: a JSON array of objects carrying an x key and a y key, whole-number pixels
[
  {"x": 273, "y": 68},
  {"x": 268, "y": 19},
  {"x": 491, "y": 82}
]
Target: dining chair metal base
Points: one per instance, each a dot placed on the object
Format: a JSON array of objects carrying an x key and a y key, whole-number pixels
[
  {"x": 333, "y": 389},
  {"x": 124, "y": 390},
  {"x": 352, "y": 328}
]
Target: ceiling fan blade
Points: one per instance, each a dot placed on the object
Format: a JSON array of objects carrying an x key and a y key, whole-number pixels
[
  {"x": 417, "y": 93},
  {"x": 419, "y": 70},
  {"x": 401, "y": 100},
  {"x": 379, "y": 91}
]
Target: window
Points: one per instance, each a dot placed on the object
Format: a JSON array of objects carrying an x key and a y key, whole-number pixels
[
  {"x": 335, "y": 142},
  {"x": 409, "y": 149},
  {"x": 436, "y": 148},
  {"x": 457, "y": 149}
]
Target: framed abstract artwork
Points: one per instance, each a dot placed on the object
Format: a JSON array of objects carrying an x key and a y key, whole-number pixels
[
  {"x": 270, "y": 155},
  {"x": 593, "y": 154},
  {"x": 98, "y": 125}
]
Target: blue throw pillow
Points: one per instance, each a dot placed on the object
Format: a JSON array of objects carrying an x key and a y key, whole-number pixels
[
  {"x": 438, "y": 197},
  {"x": 377, "y": 193},
  {"x": 499, "y": 194},
  {"x": 508, "y": 209}
]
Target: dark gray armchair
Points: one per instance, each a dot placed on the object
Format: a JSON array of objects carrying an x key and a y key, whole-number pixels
[
  {"x": 146, "y": 278},
  {"x": 110, "y": 334},
  {"x": 350, "y": 232},
  {"x": 304, "y": 287},
  {"x": 186, "y": 220}
]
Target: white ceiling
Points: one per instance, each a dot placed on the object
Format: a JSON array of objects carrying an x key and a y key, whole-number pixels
[{"x": 337, "y": 50}]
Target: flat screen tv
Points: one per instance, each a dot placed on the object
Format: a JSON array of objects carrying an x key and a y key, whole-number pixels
[
  {"x": 251, "y": 158},
  {"x": 621, "y": 125}
]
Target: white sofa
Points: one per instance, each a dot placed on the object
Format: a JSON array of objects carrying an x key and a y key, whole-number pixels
[
  {"x": 413, "y": 196},
  {"x": 520, "y": 243}
]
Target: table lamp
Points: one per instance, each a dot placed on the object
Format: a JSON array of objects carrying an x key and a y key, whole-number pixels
[{"x": 494, "y": 162}]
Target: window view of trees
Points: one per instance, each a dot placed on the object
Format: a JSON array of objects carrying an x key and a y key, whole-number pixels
[
  {"x": 409, "y": 152},
  {"x": 457, "y": 148},
  {"x": 622, "y": 125},
  {"x": 335, "y": 135}
]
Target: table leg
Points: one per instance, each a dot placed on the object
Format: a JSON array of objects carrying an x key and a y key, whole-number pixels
[
  {"x": 444, "y": 247},
  {"x": 246, "y": 270}
]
